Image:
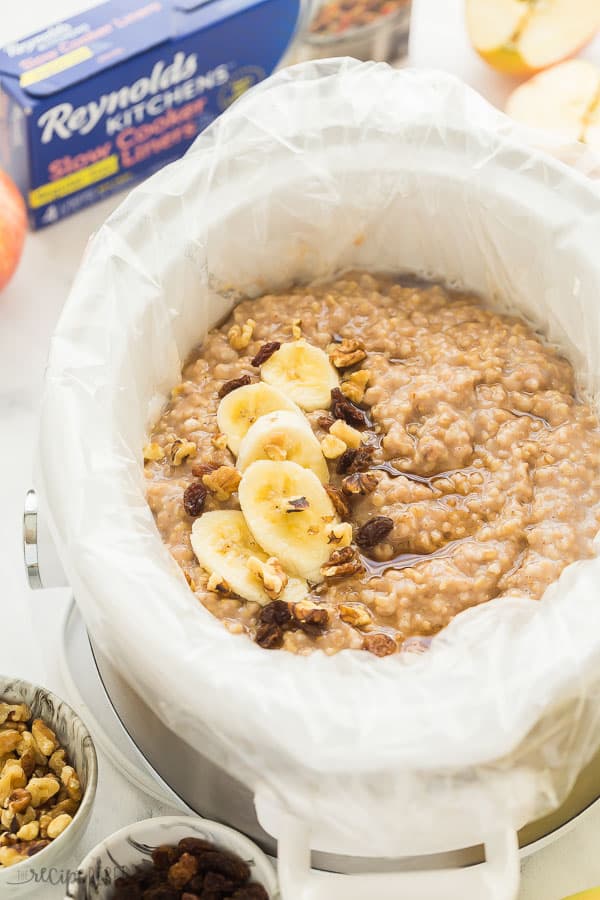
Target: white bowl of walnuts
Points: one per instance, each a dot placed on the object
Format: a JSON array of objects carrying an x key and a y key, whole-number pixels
[{"x": 48, "y": 777}]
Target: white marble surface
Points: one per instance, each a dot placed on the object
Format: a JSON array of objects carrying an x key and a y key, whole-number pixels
[{"x": 29, "y": 630}]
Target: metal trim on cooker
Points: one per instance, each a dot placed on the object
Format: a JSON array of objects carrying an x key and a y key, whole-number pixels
[
  {"x": 227, "y": 800},
  {"x": 30, "y": 541}
]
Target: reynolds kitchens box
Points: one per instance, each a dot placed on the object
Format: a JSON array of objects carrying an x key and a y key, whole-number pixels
[{"x": 101, "y": 100}]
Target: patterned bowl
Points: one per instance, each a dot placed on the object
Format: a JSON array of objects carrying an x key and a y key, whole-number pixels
[
  {"x": 41, "y": 870},
  {"x": 120, "y": 853}
]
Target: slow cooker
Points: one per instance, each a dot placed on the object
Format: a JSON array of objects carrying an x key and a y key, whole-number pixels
[{"x": 404, "y": 774}]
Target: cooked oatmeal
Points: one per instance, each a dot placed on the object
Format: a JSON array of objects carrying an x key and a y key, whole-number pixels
[{"x": 456, "y": 448}]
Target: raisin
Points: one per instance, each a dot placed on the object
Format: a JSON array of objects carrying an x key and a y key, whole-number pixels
[
  {"x": 194, "y": 498},
  {"x": 269, "y": 636},
  {"x": 214, "y": 881},
  {"x": 231, "y": 867},
  {"x": 159, "y": 892},
  {"x": 352, "y": 461},
  {"x": 128, "y": 888},
  {"x": 252, "y": 891},
  {"x": 265, "y": 352},
  {"x": 195, "y": 846},
  {"x": 373, "y": 531},
  {"x": 276, "y": 613},
  {"x": 339, "y": 504},
  {"x": 164, "y": 856},
  {"x": 345, "y": 409},
  {"x": 380, "y": 644},
  {"x": 233, "y": 385}
]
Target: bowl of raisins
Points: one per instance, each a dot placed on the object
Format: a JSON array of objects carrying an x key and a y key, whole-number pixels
[{"x": 174, "y": 858}]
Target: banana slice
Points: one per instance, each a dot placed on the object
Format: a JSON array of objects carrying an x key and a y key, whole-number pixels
[
  {"x": 290, "y": 514},
  {"x": 280, "y": 436},
  {"x": 239, "y": 410},
  {"x": 224, "y": 546},
  {"x": 303, "y": 372}
]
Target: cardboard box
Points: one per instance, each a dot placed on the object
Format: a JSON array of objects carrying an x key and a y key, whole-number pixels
[{"x": 99, "y": 101}]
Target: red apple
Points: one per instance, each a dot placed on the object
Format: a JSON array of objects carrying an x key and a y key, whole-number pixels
[
  {"x": 525, "y": 36},
  {"x": 13, "y": 224}
]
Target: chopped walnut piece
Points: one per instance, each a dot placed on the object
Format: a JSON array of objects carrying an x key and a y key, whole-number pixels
[
  {"x": 19, "y": 800},
  {"x": 239, "y": 336},
  {"x": 271, "y": 574},
  {"x": 12, "y": 777},
  {"x": 42, "y": 789},
  {"x": 9, "y": 740},
  {"x": 325, "y": 421},
  {"x": 153, "y": 452},
  {"x": 181, "y": 872},
  {"x": 339, "y": 503},
  {"x": 332, "y": 447},
  {"x": 380, "y": 644},
  {"x": 360, "y": 483},
  {"x": 219, "y": 441},
  {"x": 180, "y": 451},
  {"x": 308, "y": 613},
  {"x": 346, "y": 433},
  {"x": 355, "y": 385},
  {"x": 70, "y": 780},
  {"x": 57, "y": 761},
  {"x": 218, "y": 584},
  {"x": 44, "y": 737},
  {"x": 223, "y": 482},
  {"x": 265, "y": 352},
  {"x": 233, "y": 385},
  {"x": 14, "y": 712},
  {"x": 200, "y": 469},
  {"x": 346, "y": 353},
  {"x": 10, "y": 856},
  {"x": 343, "y": 561},
  {"x": 29, "y": 832},
  {"x": 340, "y": 534},
  {"x": 58, "y": 825},
  {"x": 357, "y": 616}
]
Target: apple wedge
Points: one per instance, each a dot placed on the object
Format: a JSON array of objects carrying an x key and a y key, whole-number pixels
[
  {"x": 525, "y": 36},
  {"x": 564, "y": 100}
]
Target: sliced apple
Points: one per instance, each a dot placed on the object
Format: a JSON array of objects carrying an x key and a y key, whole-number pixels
[
  {"x": 526, "y": 36},
  {"x": 564, "y": 100}
]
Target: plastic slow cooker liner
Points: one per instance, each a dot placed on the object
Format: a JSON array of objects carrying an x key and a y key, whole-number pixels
[{"x": 323, "y": 167}]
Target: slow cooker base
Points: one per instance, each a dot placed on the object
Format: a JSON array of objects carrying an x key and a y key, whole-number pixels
[{"x": 212, "y": 793}]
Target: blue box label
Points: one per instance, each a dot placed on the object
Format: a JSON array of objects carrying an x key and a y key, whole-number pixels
[{"x": 105, "y": 99}]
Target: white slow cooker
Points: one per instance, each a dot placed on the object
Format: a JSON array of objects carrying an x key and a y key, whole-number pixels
[{"x": 324, "y": 167}]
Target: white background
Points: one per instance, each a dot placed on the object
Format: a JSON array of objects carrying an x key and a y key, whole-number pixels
[{"x": 29, "y": 307}]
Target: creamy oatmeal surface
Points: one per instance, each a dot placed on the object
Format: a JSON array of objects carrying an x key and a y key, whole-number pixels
[{"x": 475, "y": 473}]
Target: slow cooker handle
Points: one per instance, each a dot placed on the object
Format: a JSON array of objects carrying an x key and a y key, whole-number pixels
[
  {"x": 42, "y": 565},
  {"x": 495, "y": 879}
]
